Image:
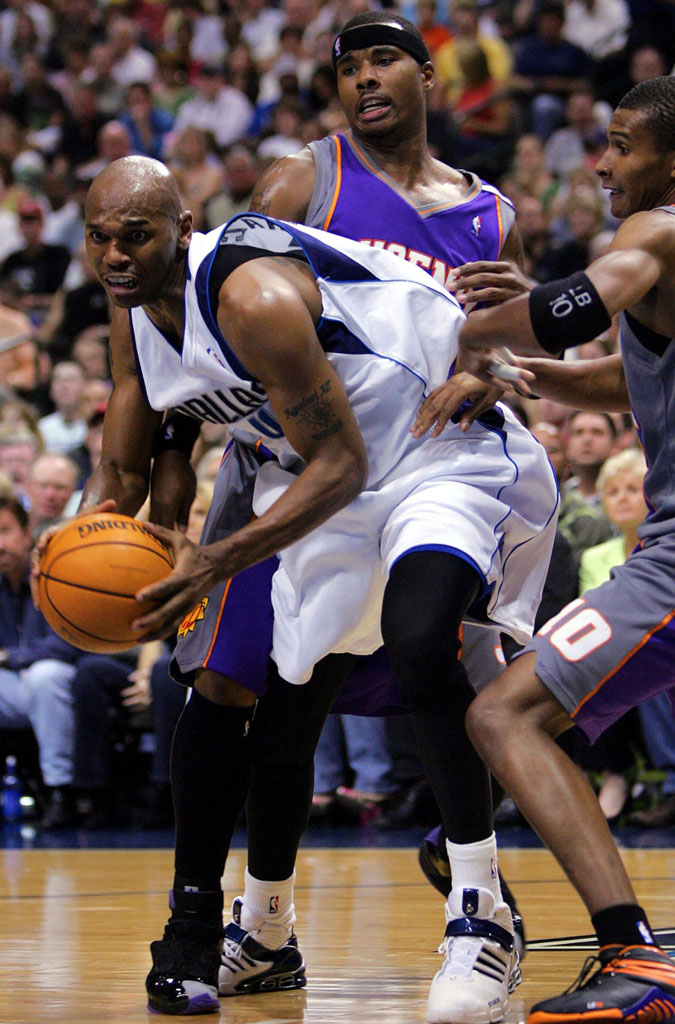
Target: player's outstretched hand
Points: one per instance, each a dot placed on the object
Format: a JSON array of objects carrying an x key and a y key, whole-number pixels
[
  {"x": 462, "y": 389},
  {"x": 488, "y": 281},
  {"x": 173, "y": 485},
  {"x": 109, "y": 505},
  {"x": 193, "y": 576}
]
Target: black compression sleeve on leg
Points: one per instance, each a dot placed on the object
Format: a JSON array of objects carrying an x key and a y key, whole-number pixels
[
  {"x": 425, "y": 600},
  {"x": 285, "y": 733},
  {"x": 210, "y": 768}
]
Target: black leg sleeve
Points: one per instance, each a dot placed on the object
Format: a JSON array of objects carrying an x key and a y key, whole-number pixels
[
  {"x": 285, "y": 733},
  {"x": 210, "y": 771},
  {"x": 425, "y": 600}
]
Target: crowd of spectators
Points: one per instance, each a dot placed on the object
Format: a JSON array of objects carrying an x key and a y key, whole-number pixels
[{"x": 219, "y": 89}]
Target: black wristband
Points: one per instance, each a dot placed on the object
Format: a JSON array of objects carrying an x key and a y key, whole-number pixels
[
  {"x": 177, "y": 433},
  {"x": 567, "y": 312}
]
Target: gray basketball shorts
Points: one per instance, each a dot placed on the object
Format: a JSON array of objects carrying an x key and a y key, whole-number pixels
[{"x": 614, "y": 647}]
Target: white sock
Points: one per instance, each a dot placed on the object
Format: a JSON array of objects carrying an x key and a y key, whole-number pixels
[
  {"x": 474, "y": 866},
  {"x": 268, "y": 909}
]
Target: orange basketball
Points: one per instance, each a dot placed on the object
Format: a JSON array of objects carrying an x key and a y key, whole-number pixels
[{"x": 89, "y": 574}]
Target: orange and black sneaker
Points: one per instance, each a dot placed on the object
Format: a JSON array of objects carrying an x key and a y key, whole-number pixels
[{"x": 632, "y": 983}]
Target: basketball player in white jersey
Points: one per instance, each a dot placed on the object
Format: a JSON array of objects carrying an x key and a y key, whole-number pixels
[
  {"x": 615, "y": 647},
  {"x": 216, "y": 322},
  {"x": 379, "y": 180}
]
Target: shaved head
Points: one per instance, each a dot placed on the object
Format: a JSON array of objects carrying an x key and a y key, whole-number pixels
[
  {"x": 137, "y": 181},
  {"x": 137, "y": 232}
]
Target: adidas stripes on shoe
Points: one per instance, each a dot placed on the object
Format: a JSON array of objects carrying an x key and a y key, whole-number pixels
[{"x": 480, "y": 962}]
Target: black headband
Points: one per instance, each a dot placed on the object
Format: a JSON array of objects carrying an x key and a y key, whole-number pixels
[{"x": 379, "y": 34}]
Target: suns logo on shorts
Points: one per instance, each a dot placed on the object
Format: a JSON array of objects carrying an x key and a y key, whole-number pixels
[{"x": 192, "y": 618}]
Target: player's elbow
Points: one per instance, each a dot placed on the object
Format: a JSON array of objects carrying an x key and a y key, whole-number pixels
[
  {"x": 350, "y": 474},
  {"x": 359, "y": 472}
]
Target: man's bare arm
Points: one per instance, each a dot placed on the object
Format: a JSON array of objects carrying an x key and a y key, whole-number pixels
[
  {"x": 638, "y": 257},
  {"x": 128, "y": 430},
  {"x": 285, "y": 189},
  {"x": 595, "y": 384},
  {"x": 267, "y": 311}
]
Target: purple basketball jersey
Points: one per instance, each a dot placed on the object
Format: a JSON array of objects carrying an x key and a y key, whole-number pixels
[{"x": 367, "y": 205}]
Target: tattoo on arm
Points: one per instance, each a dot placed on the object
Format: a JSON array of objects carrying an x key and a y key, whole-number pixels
[
  {"x": 314, "y": 411},
  {"x": 261, "y": 201}
]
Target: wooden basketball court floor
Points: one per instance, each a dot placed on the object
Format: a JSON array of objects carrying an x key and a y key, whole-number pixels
[{"x": 75, "y": 926}]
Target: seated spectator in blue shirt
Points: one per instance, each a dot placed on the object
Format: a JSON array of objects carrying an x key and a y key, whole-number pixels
[
  {"x": 147, "y": 124},
  {"x": 36, "y": 665},
  {"x": 547, "y": 68}
]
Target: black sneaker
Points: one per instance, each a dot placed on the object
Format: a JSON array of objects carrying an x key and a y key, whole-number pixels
[
  {"x": 433, "y": 858},
  {"x": 632, "y": 983},
  {"x": 248, "y": 966},
  {"x": 184, "y": 975}
]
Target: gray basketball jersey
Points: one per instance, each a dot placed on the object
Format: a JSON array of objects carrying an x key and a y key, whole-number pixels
[{"x": 649, "y": 365}]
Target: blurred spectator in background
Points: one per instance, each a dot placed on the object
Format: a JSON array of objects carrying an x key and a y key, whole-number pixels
[
  {"x": 285, "y": 136},
  {"x": 601, "y": 29},
  {"x": 112, "y": 143},
  {"x": 583, "y": 220},
  {"x": 550, "y": 436},
  {"x": 88, "y": 455},
  {"x": 242, "y": 170},
  {"x": 75, "y": 56},
  {"x": 108, "y": 93},
  {"x": 19, "y": 448},
  {"x": 51, "y": 484},
  {"x": 72, "y": 311},
  {"x": 131, "y": 62},
  {"x": 10, "y": 18},
  {"x": 91, "y": 351},
  {"x": 37, "y": 104},
  {"x": 18, "y": 354},
  {"x": 95, "y": 395},
  {"x": 14, "y": 412},
  {"x": 528, "y": 174},
  {"x": 547, "y": 69},
  {"x": 483, "y": 113},
  {"x": 148, "y": 125},
  {"x": 207, "y": 42},
  {"x": 199, "y": 172},
  {"x": 433, "y": 31},
  {"x": 464, "y": 17},
  {"x": 82, "y": 126},
  {"x": 535, "y": 232},
  {"x": 171, "y": 87},
  {"x": 64, "y": 223},
  {"x": 261, "y": 25},
  {"x": 217, "y": 108},
  {"x": 571, "y": 146},
  {"x": 36, "y": 665},
  {"x": 31, "y": 275},
  {"x": 582, "y": 520},
  {"x": 64, "y": 429}
]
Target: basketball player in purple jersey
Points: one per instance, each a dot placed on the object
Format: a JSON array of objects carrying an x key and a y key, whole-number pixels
[
  {"x": 615, "y": 647},
  {"x": 378, "y": 177}
]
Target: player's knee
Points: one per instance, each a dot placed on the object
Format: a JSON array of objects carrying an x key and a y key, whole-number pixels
[
  {"x": 221, "y": 689},
  {"x": 487, "y": 722}
]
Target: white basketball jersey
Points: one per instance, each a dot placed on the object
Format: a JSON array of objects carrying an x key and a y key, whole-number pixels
[{"x": 389, "y": 330}]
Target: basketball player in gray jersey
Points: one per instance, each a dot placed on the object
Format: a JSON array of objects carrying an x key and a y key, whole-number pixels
[{"x": 615, "y": 647}]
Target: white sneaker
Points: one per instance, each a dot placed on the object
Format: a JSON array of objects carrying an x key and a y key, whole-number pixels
[
  {"x": 246, "y": 966},
  {"x": 480, "y": 965}
]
